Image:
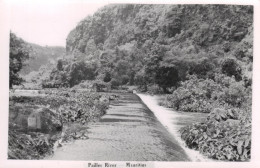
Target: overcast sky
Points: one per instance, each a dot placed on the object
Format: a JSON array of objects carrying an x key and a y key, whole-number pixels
[{"x": 48, "y": 23}]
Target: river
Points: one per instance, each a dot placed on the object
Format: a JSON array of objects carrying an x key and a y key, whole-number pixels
[
  {"x": 135, "y": 128},
  {"x": 129, "y": 131},
  {"x": 173, "y": 121}
]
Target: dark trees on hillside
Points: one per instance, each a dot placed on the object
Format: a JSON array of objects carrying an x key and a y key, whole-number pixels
[
  {"x": 172, "y": 25},
  {"x": 230, "y": 67},
  {"x": 203, "y": 68},
  {"x": 60, "y": 65},
  {"x": 107, "y": 77},
  {"x": 19, "y": 52},
  {"x": 81, "y": 71},
  {"x": 166, "y": 77},
  {"x": 160, "y": 45},
  {"x": 69, "y": 74}
]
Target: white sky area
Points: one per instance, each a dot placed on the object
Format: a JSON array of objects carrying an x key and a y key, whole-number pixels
[{"x": 48, "y": 23}]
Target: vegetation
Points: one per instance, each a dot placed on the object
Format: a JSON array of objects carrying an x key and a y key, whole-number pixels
[
  {"x": 200, "y": 56},
  {"x": 203, "y": 95},
  {"x": 19, "y": 52},
  {"x": 71, "y": 109},
  {"x": 226, "y": 135},
  {"x": 160, "y": 45},
  {"x": 31, "y": 64},
  {"x": 41, "y": 56}
]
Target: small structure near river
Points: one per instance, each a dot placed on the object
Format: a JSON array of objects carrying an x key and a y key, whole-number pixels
[{"x": 44, "y": 120}]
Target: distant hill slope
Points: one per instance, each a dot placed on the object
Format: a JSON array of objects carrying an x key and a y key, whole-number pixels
[
  {"x": 37, "y": 66},
  {"x": 41, "y": 56}
]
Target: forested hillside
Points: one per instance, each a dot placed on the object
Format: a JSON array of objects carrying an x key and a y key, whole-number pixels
[
  {"x": 30, "y": 64},
  {"x": 201, "y": 54},
  {"x": 159, "y": 45},
  {"x": 19, "y": 52},
  {"x": 42, "y": 56}
]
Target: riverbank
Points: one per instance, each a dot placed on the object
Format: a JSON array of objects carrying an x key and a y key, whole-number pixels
[
  {"x": 129, "y": 131},
  {"x": 37, "y": 119}
]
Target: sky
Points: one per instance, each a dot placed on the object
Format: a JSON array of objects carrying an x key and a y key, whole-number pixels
[
  {"x": 48, "y": 22},
  {"x": 45, "y": 23}
]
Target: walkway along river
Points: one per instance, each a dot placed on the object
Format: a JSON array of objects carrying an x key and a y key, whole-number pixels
[{"x": 129, "y": 131}]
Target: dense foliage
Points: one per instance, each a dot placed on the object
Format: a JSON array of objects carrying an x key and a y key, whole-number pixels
[
  {"x": 31, "y": 64},
  {"x": 160, "y": 45},
  {"x": 200, "y": 55},
  {"x": 226, "y": 135},
  {"x": 72, "y": 109},
  {"x": 18, "y": 54},
  {"x": 203, "y": 95}
]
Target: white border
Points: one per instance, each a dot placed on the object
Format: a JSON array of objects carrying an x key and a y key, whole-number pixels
[{"x": 4, "y": 71}]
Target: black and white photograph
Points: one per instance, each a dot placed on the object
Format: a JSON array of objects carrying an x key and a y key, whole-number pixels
[{"x": 130, "y": 84}]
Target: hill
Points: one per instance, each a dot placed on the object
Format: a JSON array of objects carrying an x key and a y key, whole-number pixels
[
  {"x": 30, "y": 64},
  {"x": 41, "y": 56},
  {"x": 201, "y": 56},
  {"x": 145, "y": 44}
]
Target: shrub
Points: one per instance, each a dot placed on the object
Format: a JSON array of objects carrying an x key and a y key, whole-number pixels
[
  {"x": 154, "y": 89},
  {"x": 203, "y": 95},
  {"x": 114, "y": 83},
  {"x": 226, "y": 135},
  {"x": 233, "y": 95},
  {"x": 124, "y": 80},
  {"x": 194, "y": 95},
  {"x": 230, "y": 67}
]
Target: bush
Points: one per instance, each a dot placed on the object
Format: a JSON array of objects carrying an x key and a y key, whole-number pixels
[
  {"x": 226, "y": 135},
  {"x": 114, "y": 83},
  {"x": 230, "y": 67},
  {"x": 154, "y": 89},
  {"x": 203, "y": 95},
  {"x": 69, "y": 106},
  {"x": 125, "y": 80},
  {"x": 194, "y": 95},
  {"x": 234, "y": 95}
]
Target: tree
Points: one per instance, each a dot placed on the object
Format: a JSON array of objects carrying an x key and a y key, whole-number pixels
[
  {"x": 107, "y": 77},
  {"x": 202, "y": 68},
  {"x": 166, "y": 77},
  {"x": 60, "y": 65},
  {"x": 141, "y": 79},
  {"x": 230, "y": 67},
  {"x": 18, "y": 54},
  {"x": 172, "y": 25},
  {"x": 82, "y": 71}
]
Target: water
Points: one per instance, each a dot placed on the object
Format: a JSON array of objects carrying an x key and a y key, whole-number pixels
[
  {"x": 173, "y": 121},
  {"x": 27, "y": 93},
  {"x": 127, "y": 131}
]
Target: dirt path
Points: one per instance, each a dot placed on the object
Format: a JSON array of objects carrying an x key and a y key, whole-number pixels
[{"x": 128, "y": 132}]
